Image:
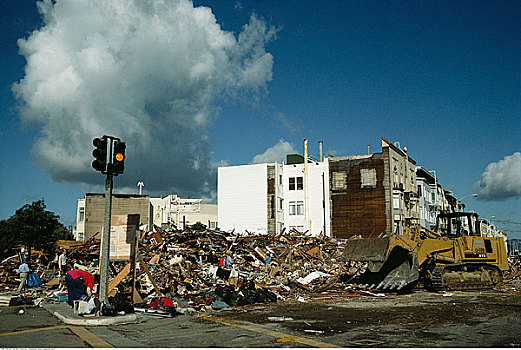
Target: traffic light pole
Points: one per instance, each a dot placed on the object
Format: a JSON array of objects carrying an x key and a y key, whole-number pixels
[
  {"x": 112, "y": 165},
  {"x": 105, "y": 243}
]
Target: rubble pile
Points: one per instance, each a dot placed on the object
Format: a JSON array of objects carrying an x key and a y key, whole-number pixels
[
  {"x": 185, "y": 271},
  {"x": 182, "y": 270},
  {"x": 512, "y": 277},
  {"x": 186, "y": 265}
]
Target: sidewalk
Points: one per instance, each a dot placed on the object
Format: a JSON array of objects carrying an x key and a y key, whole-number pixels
[{"x": 64, "y": 313}]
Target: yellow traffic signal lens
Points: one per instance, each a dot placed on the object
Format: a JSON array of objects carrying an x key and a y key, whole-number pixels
[{"x": 119, "y": 157}]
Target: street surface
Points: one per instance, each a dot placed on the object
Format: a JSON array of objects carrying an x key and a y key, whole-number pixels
[{"x": 420, "y": 319}]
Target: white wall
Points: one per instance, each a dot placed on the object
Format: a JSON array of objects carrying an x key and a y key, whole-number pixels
[
  {"x": 206, "y": 215},
  {"x": 316, "y": 192},
  {"x": 242, "y": 198},
  {"x": 79, "y": 229}
]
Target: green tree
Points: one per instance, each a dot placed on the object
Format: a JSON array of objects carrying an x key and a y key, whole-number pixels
[{"x": 34, "y": 227}]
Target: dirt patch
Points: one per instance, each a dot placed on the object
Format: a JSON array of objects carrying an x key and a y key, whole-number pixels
[{"x": 419, "y": 319}]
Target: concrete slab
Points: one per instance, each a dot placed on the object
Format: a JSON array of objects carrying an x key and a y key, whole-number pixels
[{"x": 66, "y": 315}]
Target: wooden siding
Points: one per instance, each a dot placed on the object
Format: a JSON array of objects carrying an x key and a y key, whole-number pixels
[
  {"x": 121, "y": 205},
  {"x": 358, "y": 207}
]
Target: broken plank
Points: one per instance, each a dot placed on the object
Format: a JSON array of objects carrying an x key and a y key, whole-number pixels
[
  {"x": 117, "y": 280},
  {"x": 147, "y": 271}
]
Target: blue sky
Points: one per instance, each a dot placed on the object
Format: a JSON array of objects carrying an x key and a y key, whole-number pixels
[{"x": 441, "y": 77}]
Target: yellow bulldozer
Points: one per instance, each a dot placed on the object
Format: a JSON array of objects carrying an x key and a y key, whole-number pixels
[{"x": 453, "y": 256}]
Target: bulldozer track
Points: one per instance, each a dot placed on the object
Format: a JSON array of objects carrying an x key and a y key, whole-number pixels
[{"x": 437, "y": 278}]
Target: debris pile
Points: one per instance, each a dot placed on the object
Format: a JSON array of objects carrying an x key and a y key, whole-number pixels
[
  {"x": 178, "y": 272},
  {"x": 190, "y": 271},
  {"x": 512, "y": 277},
  {"x": 211, "y": 270}
]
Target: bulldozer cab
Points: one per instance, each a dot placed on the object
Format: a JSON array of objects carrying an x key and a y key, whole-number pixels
[{"x": 453, "y": 225}]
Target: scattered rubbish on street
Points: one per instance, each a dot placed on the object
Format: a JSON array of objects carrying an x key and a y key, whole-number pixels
[{"x": 279, "y": 319}]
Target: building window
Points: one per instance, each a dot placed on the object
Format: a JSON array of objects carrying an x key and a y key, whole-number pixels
[
  {"x": 296, "y": 183},
  {"x": 419, "y": 191},
  {"x": 339, "y": 181},
  {"x": 368, "y": 177},
  {"x": 82, "y": 214},
  {"x": 396, "y": 201},
  {"x": 296, "y": 208},
  {"x": 281, "y": 204}
]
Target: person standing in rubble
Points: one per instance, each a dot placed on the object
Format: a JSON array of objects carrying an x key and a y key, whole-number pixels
[
  {"x": 229, "y": 260},
  {"x": 79, "y": 283},
  {"x": 214, "y": 260},
  {"x": 62, "y": 263},
  {"x": 23, "y": 270}
]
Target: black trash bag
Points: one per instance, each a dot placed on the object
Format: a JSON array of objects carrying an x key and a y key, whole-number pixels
[
  {"x": 121, "y": 304},
  {"x": 235, "y": 299},
  {"x": 97, "y": 305},
  {"x": 250, "y": 296},
  {"x": 224, "y": 292},
  {"x": 108, "y": 310},
  {"x": 266, "y": 296},
  {"x": 229, "y": 295},
  {"x": 20, "y": 300},
  {"x": 223, "y": 273}
]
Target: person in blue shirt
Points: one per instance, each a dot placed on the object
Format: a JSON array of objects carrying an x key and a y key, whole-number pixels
[
  {"x": 229, "y": 260},
  {"x": 23, "y": 270}
]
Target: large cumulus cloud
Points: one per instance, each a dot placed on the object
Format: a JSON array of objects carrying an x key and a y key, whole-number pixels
[
  {"x": 148, "y": 72},
  {"x": 501, "y": 180}
]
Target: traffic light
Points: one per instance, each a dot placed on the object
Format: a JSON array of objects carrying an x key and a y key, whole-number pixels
[
  {"x": 100, "y": 153},
  {"x": 119, "y": 158}
]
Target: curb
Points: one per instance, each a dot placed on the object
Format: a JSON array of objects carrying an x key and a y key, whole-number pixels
[
  {"x": 98, "y": 321},
  {"x": 76, "y": 320}
]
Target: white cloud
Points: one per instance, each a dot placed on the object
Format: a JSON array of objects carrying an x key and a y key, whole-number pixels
[
  {"x": 501, "y": 180},
  {"x": 276, "y": 153},
  {"x": 286, "y": 122},
  {"x": 148, "y": 72}
]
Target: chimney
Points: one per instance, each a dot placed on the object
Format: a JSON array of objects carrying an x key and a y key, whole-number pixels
[{"x": 320, "y": 153}]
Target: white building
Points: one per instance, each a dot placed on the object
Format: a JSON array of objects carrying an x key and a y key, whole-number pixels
[
  {"x": 306, "y": 197},
  {"x": 79, "y": 229},
  {"x": 266, "y": 198},
  {"x": 427, "y": 197},
  {"x": 182, "y": 212},
  {"x": 250, "y": 198}
]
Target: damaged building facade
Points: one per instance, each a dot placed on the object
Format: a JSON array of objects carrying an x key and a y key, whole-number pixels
[
  {"x": 90, "y": 212},
  {"x": 362, "y": 195},
  {"x": 373, "y": 194},
  {"x": 337, "y": 196}
]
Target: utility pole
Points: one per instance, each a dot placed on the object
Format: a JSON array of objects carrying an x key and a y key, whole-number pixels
[{"x": 110, "y": 160}]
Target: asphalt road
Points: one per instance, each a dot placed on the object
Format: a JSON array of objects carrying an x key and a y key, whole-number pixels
[{"x": 421, "y": 319}]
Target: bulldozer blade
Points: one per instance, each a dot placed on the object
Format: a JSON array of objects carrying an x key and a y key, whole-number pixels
[
  {"x": 367, "y": 249},
  {"x": 397, "y": 271}
]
